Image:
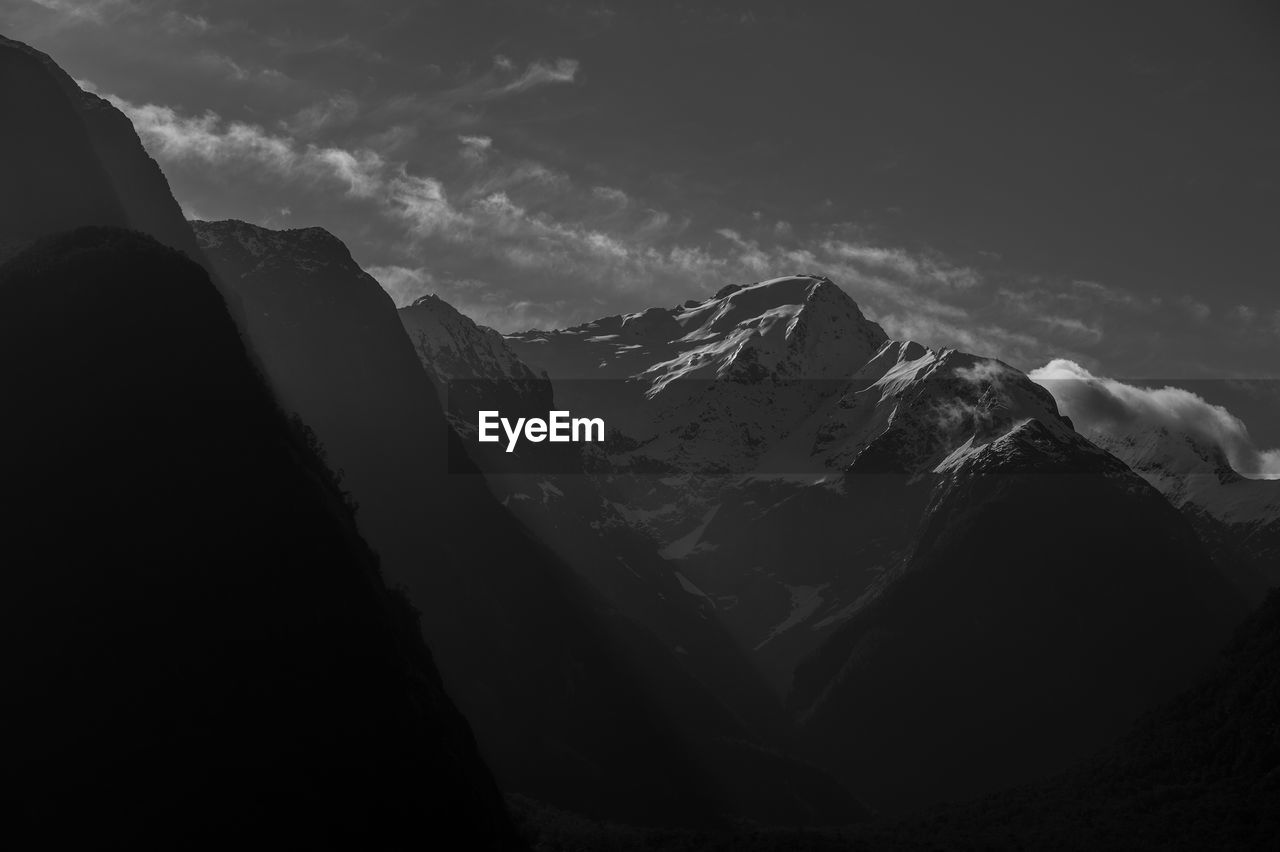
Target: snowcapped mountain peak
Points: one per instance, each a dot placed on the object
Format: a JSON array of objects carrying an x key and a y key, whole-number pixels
[
  {"x": 1193, "y": 472},
  {"x": 911, "y": 409},
  {"x": 788, "y": 373},
  {"x": 1157, "y": 449},
  {"x": 452, "y": 347},
  {"x": 797, "y": 327}
]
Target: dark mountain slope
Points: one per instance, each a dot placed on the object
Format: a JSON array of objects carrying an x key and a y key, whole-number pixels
[
  {"x": 1200, "y": 772},
  {"x": 571, "y": 702},
  {"x": 1051, "y": 597},
  {"x": 142, "y": 188},
  {"x": 199, "y": 648},
  {"x": 73, "y": 159},
  {"x": 52, "y": 178}
]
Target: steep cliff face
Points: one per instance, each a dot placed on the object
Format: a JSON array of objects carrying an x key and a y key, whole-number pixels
[
  {"x": 73, "y": 159},
  {"x": 201, "y": 648}
]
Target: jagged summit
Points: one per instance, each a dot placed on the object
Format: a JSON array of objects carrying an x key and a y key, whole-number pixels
[
  {"x": 1033, "y": 445},
  {"x": 794, "y": 327},
  {"x": 789, "y": 375},
  {"x": 909, "y": 408}
]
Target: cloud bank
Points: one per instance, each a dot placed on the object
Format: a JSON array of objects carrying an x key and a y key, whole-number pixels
[
  {"x": 554, "y": 250},
  {"x": 1115, "y": 409}
]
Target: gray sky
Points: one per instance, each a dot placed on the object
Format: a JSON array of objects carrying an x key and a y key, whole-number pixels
[{"x": 1096, "y": 182}]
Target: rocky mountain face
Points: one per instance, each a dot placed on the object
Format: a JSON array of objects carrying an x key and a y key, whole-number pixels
[
  {"x": 954, "y": 589},
  {"x": 1237, "y": 518},
  {"x": 573, "y": 702},
  {"x": 200, "y": 644},
  {"x": 74, "y": 160}
]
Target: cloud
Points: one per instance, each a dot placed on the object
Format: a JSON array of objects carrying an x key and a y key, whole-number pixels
[
  {"x": 1196, "y": 309},
  {"x": 173, "y": 137},
  {"x": 611, "y": 194},
  {"x": 485, "y": 217},
  {"x": 92, "y": 11},
  {"x": 914, "y": 266},
  {"x": 1105, "y": 406},
  {"x": 335, "y": 111},
  {"x": 362, "y": 171},
  {"x": 987, "y": 373},
  {"x": 539, "y": 74},
  {"x": 403, "y": 284},
  {"x": 573, "y": 252},
  {"x": 475, "y": 149},
  {"x": 1073, "y": 327},
  {"x": 181, "y": 23}
]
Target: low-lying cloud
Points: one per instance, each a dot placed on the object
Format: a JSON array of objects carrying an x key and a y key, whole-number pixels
[{"x": 1116, "y": 409}]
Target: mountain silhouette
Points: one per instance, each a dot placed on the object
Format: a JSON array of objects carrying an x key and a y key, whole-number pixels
[
  {"x": 200, "y": 645},
  {"x": 73, "y": 159}
]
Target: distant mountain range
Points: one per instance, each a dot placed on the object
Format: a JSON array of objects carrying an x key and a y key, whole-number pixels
[{"x": 812, "y": 575}]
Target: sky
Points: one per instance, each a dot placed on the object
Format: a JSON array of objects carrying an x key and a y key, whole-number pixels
[{"x": 1094, "y": 182}]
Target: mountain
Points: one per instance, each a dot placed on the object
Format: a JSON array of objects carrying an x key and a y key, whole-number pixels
[
  {"x": 1049, "y": 597},
  {"x": 706, "y": 385},
  {"x": 572, "y": 701},
  {"x": 855, "y": 508},
  {"x": 1238, "y": 518},
  {"x": 456, "y": 349},
  {"x": 74, "y": 159},
  {"x": 199, "y": 643}
]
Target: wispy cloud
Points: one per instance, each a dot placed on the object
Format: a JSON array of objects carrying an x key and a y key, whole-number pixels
[
  {"x": 558, "y": 251},
  {"x": 611, "y": 194},
  {"x": 916, "y": 266},
  {"x": 1073, "y": 327},
  {"x": 93, "y": 11},
  {"x": 540, "y": 74},
  {"x": 475, "y": 149},
  {"x": 336, "y": 110}
]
